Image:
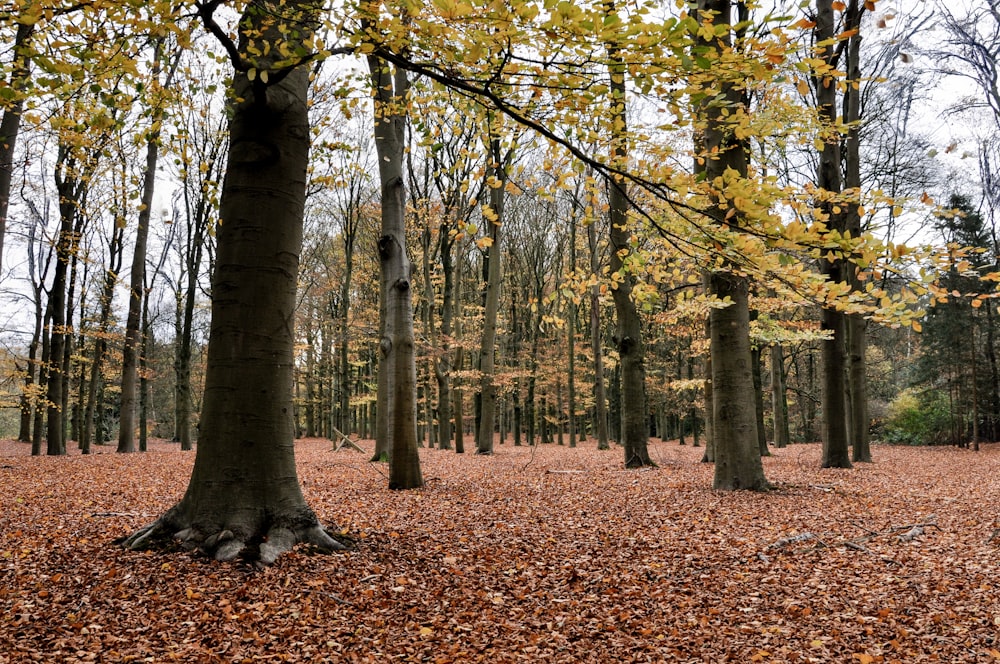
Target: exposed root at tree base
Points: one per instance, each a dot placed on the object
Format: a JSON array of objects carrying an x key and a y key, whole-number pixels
[{"x": 228, "y": 544}]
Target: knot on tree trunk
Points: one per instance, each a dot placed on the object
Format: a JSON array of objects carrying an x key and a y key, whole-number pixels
[
  {"x": 402, "y": 285},
  {"x": 385, "y": 247}
]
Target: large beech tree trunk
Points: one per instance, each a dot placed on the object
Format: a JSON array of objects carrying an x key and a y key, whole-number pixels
[
  {"x": 244, "y": 491},
  {"x": 397, "y": 367},
  {"x": 628, "y": 335},
  {"x": 836, "y": 449},
  {"x": 733, "y": 441}
]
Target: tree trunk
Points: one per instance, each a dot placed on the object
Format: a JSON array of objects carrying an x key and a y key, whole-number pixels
[
  {"x": 596, "y": 347},
  {"x": 737, "y": 456},
  {"x": 10, "y": 125},
  {"x": 991, "y": 355},
  {"x": 69, "y": 186},
  {"x": 487, "y": 350},
  {"x": 571, "y": 339},
  {"x": 857, "y": 326},
  {"x": 100, "y": 339},
  {"x": 458, "y": 399},
  {"x": 758, "y": 394},
  {"x": 442, "y": 368},
  {"x": 779, "y": 398},
  {"x": 29, "y": 398},
  {"x": 720, "y": 151},
  {"x": 836, "y": 443},
  {"x": 38, "y": 428},
  {"x": 244, "y": 488},
  {"x": 137, "y": 280},
  {"x": 628, "y": 336},
  {"x": 397, "y": 344}
]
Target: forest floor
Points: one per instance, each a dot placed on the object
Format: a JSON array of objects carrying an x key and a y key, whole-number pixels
[{"x": 545, "y": 555}]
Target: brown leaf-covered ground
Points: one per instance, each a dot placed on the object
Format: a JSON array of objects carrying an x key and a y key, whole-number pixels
[{"x": 545, "y": 555}]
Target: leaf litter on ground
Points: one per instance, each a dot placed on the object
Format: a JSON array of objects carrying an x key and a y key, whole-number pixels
[{"x": 509, "y": 558}]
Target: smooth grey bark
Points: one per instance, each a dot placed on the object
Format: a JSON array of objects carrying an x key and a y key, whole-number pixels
[
  {"x": 734, "y": 438},
  {"x": 628, "y": 335},
  {"x": 397, "y": 365},
  {"x": 494, "y": 257},
  {"x": 244, "y": 492}
]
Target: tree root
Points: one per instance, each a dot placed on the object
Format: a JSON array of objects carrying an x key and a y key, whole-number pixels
[{"x": 229, "y": 543}]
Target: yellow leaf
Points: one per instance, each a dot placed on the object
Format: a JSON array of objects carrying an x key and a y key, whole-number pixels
[
  {"x": 917, "y": 327},
  {"x": 426, "y": 631}
]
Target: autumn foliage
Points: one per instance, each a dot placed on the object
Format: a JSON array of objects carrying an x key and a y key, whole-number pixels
[{"x": 534, "y": 554}]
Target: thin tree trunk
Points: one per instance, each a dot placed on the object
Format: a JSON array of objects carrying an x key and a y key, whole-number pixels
[
  {"x": 571, "y": 339},
  {"x": 857, "y": 326},
  {"x": 69, "y": 186},
  {"x": 10, "y": 125},
  {"x": 487, "y": 351},
  {"x": 457, "y": 394},
  {"x": 137, "y": 280},
  {"x": 758, "y": 394},
  {"x": 597, "y": 349},
  {"x": 115, "y": 254},
  {"x": 779, "y": 398}
]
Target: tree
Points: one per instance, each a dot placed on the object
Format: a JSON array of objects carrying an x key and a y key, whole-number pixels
[
  {"x": 397, "y": 363},
  {"x": 244, "y": 490},
  {"x": 628, "y": 334},
  {"x": 200, "y": 148},
  {"x": 493, "y": 217},
  {"x": 951, "y": 343},
  {"x": 137, "y": 278},
  {"x": 722, "y": 156},
  {"x": 836, "y": 435}
]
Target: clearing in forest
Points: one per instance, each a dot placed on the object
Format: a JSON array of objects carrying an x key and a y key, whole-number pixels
[{"x": 551, "y": 554}]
